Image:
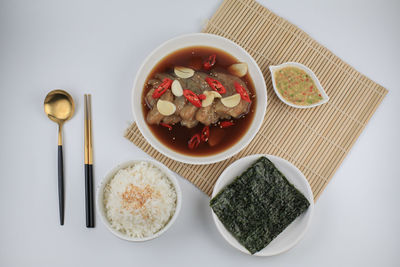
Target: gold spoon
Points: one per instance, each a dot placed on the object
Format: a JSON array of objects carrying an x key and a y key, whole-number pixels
[{"x": 59, "y": 107}]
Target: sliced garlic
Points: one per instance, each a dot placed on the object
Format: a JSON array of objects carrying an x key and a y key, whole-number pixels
[
  {"x": 213, "y": 93},
  {"x": 183, "y": 72},
  {"x": 176, "y": 88},
  {"x": 231, "y": 101},
  {"x": 238, "y": 69},
  {"x": 166, "y": 108},
  {"x": 216, "y": 94},
  {"x": 209, "y": 99},
  {"x": 210, "y": 95}
]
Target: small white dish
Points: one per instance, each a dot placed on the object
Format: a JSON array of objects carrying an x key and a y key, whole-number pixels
[
  {"x": 111, "y": 174},
  {"x": 295, "y": 231},
  {"x": 325, "y": 97},
  {"x": 199, "y": 39}
]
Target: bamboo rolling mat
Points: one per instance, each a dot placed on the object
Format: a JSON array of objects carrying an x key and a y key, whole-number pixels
[{"x": 315, "y": 140}]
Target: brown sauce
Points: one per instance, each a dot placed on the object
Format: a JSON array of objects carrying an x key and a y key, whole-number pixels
[{"x": 220, "y": 139}]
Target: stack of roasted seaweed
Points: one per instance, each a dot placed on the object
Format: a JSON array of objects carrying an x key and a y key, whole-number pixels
[{"x": 258, "y": 205}]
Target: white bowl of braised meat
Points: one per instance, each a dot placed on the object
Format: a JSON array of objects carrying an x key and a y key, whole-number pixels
[{"x": 199, "y": 98}]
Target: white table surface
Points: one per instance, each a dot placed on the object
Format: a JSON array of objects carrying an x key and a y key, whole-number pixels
[{"x": 96, "y": 47}]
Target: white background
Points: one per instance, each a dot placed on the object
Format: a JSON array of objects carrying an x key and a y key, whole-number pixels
[{"x": 96, "y": 47}]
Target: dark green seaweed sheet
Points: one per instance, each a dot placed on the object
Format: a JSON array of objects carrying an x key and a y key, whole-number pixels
[{"x": 258, "y": 205}]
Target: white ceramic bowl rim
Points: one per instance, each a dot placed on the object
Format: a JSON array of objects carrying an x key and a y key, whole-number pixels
[
  {"x": 305, "y": 218},
  {"x": 325, "y": 97},
  {"x": 110, "y": 175},
  {"x": 199, "y": 39}
]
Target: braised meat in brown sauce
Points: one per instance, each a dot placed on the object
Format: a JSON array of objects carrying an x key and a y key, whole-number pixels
[{"x": 195, "y": 104}]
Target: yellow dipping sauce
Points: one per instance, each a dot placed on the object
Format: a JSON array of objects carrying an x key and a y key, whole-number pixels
[{"x": 296, "y": 86}]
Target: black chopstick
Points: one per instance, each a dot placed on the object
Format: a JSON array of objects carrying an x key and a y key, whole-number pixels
[{"x": 89, "y": 197}]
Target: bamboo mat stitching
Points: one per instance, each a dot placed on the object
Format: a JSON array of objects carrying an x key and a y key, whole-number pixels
[
  {"x": 315, "y": 132},
  {"x": 293, "y": 158},
  {"x": 345, "y": 114},
  {"x": 310, "y": 128}
]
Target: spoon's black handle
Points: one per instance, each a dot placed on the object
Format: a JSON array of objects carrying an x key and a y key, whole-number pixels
[{"x": 60, "y": 185}]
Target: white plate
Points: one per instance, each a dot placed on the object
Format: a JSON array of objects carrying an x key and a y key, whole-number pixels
[
  {"x": 325, "y": 97},
  {"x": 199, "y": 39},
  {"x": 296, "y": 230},
  {"x": 111, "y": 174}
]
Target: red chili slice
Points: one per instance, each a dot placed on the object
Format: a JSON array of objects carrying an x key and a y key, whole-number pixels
[
  {"x": 226, "y": 124},
  {"x": 205, "y": 133},
  {"x": 166, "y": 125},
  {"x": 162, "y": 88},
  {"x": 194, "y": 141},
  {"x": 210, "y": 62},
  {"x": 242, "y": 91},
  {"x": 202, "y": 96},
  {"x": 216, "y": 85},
  {"x": 192, "y": 98}
]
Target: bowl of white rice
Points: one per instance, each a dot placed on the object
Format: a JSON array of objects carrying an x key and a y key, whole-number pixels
[{"x": 139, "y": 200}]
